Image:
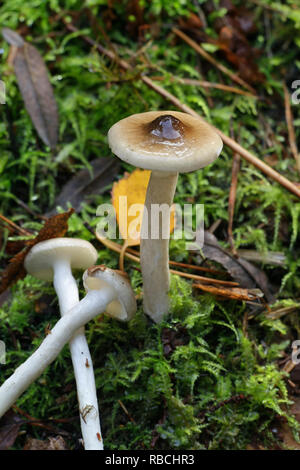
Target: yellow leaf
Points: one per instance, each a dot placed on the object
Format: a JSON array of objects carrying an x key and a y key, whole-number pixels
[{"x": 128, "y": 198}]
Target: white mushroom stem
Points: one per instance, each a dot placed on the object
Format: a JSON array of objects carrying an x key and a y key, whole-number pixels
[
  {"x": 155, "y": 252},
  {"x": 67, "y": 293},
  {"x": 94, "y": 303}
]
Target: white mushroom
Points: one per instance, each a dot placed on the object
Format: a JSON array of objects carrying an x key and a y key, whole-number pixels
[
  {"x": 107, "y": 291},
  {"x": 168, "y": 143},
  {"x": 53, "y": 260}
]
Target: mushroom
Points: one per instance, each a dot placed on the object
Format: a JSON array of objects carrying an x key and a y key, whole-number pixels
[
  {"x": 168, "y": 143},
  {"x": 107, "y": 291},
  {"x": 53, "y": 260}
]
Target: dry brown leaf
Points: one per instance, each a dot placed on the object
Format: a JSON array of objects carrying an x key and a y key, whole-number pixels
[
  {"x": 13, "y": 38},
  {"x": 9, "y": 429},
  {"x": 55, "y": 226},
  {"x": 37, "y": 92},
  {"x": 84, "y": 184},
  {"x": 52, "y": 443},
  {"x": 248, "y": 275}
]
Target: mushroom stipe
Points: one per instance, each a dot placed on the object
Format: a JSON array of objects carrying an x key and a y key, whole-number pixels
[
  {"x": 108, "y": 292},
  {"x": 168, "y": 143}
]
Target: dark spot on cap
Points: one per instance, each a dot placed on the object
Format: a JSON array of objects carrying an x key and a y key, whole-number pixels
[{"x": 166, "y": 127}]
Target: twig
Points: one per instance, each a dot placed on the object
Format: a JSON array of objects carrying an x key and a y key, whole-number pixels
[
  {"x": 122, "y": 253},
  {"x": 118, "y": 248},
  {"x": 204, "y": 83},
  {"x": 285, "y": 182},
  {"x": 30, "y": 211},
  {"x": 126, "y": 411},
  {"x": 39, "y": 423},
  {"x": 232, "y": 197},
  {"x": 197, "y": 268},
  {"x": 229, "y": 293},
  {"x": 210, "y": 59},
  {"x": 290, "y": 126},
  {"x": 213, "y": 408},
  {"x": 15, "y": 226},
  {"x": 187, "y": 266}
]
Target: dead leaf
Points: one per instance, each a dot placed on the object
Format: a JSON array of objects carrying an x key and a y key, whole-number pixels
[
  {"x": 127, "y": 192},
  {"x": 128, "y": 198},
  {"x": 235, "y": 293},
  {"x": 37, "y": 92},
  {"x": 13, "y": 38},
  {"x": 55, "y": 226},
  {"x": 247, "y": 275},
  {"x": 84, "y": 184},
  {"x": 9, "y": 429},
  {"x": 52, "y": 443},
  {"x": 131, "y": 189}
]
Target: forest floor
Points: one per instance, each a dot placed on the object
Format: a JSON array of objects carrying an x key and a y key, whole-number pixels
[{"x": 217, "y": 373}]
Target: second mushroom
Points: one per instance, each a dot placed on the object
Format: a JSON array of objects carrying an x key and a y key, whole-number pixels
[{"x": 168, "y": 143}]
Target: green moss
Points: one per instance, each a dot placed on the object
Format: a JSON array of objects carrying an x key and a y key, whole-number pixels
[{"x": 200, "y": 379}]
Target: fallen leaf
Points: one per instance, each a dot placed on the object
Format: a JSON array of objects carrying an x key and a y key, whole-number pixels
[
  {"x": 9, "y": 428},
  {"x": 52, "y": 443},
  {"x": 131, "y": 189},
  {"x": 13, "y": 38},
  {"x": 55, "y": 226},
  {"x": 127, "y": 192},
  {"x": 37, "y": 92},
  {"x": 246, "y": 274},
  {"x": 83, "y": 183}
]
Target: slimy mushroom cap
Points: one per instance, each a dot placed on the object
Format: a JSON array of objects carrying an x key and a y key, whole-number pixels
[{"x": 168, "y": 141}]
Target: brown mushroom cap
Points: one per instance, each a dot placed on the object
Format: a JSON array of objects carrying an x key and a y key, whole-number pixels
[{"x": 168, "y": 141}]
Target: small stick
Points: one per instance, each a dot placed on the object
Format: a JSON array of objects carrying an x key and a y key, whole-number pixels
[
  {"x": 38, "y": 422},
  {"x": 15, "y": 226},
  {"x": 290, "y": 126},
  {"x": 204, "y": 279},
  {"x": 126, "y": 411},
  {"x": 204, "y": 83},
  {"x": 122, "y": 254},
  {"x": 197, "y": 268},
  {"x": 116, "y": 247},
  {"x": 262, "y": 166},
  {"x": 30, "y": 211},
  {"x": 210, "y": 59},
  {"x": 232, "y": 197},
  {"x": 235, "y": 293},
  {"x": 185, "y": 265}
]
